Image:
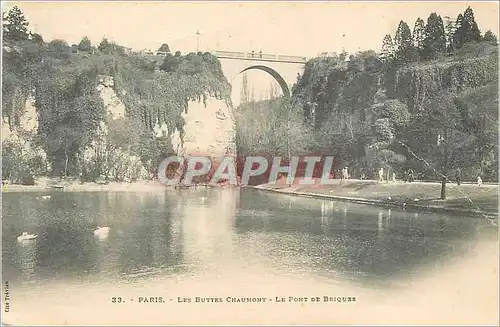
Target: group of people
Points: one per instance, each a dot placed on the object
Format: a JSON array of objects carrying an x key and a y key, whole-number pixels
[
  {"x": 381, "y": 175},
  {"x": 345, "y": 174},
  {"x": 458, "y": 177},
  {"x": 409, "y": 176}
]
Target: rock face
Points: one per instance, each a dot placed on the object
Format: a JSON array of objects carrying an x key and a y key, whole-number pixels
[
  {"x": 131, "y": 167},
  {"x": 112, "y": 103},
  {"x": 28, "y": 123},
  {"x": 19, "y": 149},
  {"x": 209, "y": 130}
]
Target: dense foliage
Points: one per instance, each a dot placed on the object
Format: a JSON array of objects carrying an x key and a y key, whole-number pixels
[
  {"x": 428, "y": 102},
  {"x": 277, "y": 129},
  {"x": 71, "y": 112}
]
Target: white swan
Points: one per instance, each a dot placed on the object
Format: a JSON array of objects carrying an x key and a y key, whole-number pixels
[
  {"x": 45, "y": 197},
  {"x": 101, "y": 232},
  {"x": 26, "y": 237}
]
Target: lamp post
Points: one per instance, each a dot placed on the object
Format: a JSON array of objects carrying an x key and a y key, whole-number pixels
[{"x": 197, "y": 41}]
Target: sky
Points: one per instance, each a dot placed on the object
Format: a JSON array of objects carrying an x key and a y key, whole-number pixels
[{"x": 290, "y": 28}]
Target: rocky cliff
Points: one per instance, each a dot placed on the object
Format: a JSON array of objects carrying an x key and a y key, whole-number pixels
[
  {"x": 28, "y": 122},
  {"x": 208, "y": 130}
]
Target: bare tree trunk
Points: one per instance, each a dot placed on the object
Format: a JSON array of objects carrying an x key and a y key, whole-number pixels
[
  {"x": 445, "y": 167},
  {"x": 66, "y": 163},
  {"x": 443, "y": 188}
]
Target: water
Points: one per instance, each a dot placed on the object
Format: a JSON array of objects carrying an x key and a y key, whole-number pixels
[{"x": 217, "y": 243}]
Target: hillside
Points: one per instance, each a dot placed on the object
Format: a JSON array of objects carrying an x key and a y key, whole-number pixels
[
  {"x": 430, "y": 116},
  {"x": 103, "y": 115},
  {"x": 394, "y": 117},
  {"x": 427, "y": 103}
]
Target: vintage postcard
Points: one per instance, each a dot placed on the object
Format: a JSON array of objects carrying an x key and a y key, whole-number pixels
[{"x": 249, "y": 163}]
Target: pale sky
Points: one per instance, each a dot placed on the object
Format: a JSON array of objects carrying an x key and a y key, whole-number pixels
[{"x": 294, "y": 28}]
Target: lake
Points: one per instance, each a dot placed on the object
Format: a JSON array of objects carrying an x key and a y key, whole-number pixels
[{"x": 167, "y": 252}]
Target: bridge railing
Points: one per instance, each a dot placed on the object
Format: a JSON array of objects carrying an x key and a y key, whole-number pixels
[
  {"x": 259, "y": 56},
  {"x": 230, "y": 54},
  {"x": 291, "y": 58}
]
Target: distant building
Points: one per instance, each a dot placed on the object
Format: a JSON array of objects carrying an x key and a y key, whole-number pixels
[{"x": 163, "y": 53}]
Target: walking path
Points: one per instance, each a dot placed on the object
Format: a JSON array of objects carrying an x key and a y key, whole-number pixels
[{"x": 466, "y": 199}]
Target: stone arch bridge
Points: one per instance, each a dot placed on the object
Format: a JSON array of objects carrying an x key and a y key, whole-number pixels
[
  {"x": 210, "y": 130},
  {"x": 284, "y": 69}
]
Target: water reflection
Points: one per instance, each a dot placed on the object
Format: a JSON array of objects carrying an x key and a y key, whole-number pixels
[
  {"x": 208, "y": 220},
  {"x": 366, "y": 242},
  {"x": 327, "y": 209},
  {"x": 148, "y": 245},
  {"x": 219, "y": 231},
  {"x": 26, "y": 259}
]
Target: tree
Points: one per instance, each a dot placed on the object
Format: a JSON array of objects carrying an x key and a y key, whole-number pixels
[
  {"x": 164, "y": 48},
  {"x": 22, "y": 158},
  {"x": 435, "y": 40},
  {"x": 442, "y": 137},
  {"x": 403, "y": 43},
  {"x": 110, "y": 47},
  {"x": 466, "y": 29},
  {"x": 449, "y": 31},
  {"x": 59, "y": 49},
  {"x": 388, "y": 121},
  {"x": 85, "y": 45},
  {"x": 419, "y": 35},
  {"x": 103, "y": 46},
  {"x": 387, "y": 48},
  {"x": 355, "y": 64},
  {"x": 490, "y": 37},
  {"x": 37, "y": 38},
  {"x": 458, "y": 36},
  {"x": 471, "y": 30},
  {"x": 245, "y": 92},
  {"x": 170, "y": 64},
  {"x": 371, "y": 61},
  {"x": 268, "y": 134},
  {"x": 15, "y": 25}
]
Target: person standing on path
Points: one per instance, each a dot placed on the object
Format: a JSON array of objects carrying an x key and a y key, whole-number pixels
[
  {"x": 458, "y": 176},
  {"x": 411, "y": 175},
  {"x": 381, "y": 174},
  {"x": 345, "y": 173}
]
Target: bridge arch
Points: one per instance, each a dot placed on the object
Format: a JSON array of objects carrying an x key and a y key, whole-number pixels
[{"x": 281, "y": 81}]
